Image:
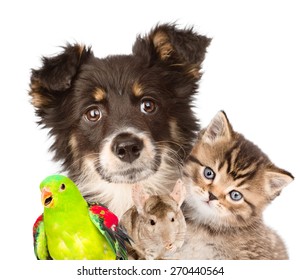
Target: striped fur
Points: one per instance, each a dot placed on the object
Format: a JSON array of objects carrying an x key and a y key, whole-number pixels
[{"x": 224, "y": 211}]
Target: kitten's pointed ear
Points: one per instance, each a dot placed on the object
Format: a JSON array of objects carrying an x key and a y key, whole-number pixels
[
  {"x": 218, "y": 128},
  {"x": 139, "y": 197},
  {"x": 179, "y": 192},
  {"x": 276, "y": 181}
]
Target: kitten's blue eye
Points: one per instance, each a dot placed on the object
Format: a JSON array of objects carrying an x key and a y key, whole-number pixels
[
  {"x": 208, "y": 173},
  {"x": 235, "y": 195}
]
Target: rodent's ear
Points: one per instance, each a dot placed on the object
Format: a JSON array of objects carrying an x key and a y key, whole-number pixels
[
  {"x": 179, "y": 192},
  {"x": 56, "y": 75},
  {"x": 139, "y": 198}
]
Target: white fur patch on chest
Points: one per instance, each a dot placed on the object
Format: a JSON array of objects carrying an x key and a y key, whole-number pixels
[{"x": 117, "y": 196}]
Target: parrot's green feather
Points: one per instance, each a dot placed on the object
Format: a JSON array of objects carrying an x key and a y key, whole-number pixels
[
  {"x": 40, "y": 241},
  {"x": 98, "y": 222},
  {"x": 116, "y": 239},
  {"x": 122, "y": 237}
]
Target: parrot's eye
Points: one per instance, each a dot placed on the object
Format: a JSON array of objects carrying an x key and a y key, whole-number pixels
[
  {"x": 62, "y": 187},
  {"x": 93, "y": 114}
]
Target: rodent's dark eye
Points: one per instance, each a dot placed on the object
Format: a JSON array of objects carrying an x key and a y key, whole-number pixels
[
  {"x": 93, "y": 114},
  {"x": 148, "y": 106},
  {"x": 209, "y": 173},
  {"x": 235, "y": 195},
  {"x": 152, "y": 222},
  {"x": 62, "y": 187},
  {"x": 172, "y": 220}
]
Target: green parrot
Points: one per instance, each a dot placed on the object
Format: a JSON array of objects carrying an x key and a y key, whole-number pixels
[{"x": 72, "y": 229}]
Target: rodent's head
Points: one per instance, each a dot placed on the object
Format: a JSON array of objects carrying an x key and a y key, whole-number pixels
[{"x": 160, "y": 215}]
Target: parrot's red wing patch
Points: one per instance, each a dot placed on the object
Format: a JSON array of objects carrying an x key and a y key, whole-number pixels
[
  {"x": 39, "y": 240},
  {"x": 37, "y": 223},
  {"x": 110, "y": 220}
]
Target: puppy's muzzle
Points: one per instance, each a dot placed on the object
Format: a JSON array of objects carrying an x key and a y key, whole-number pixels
[{"x": 127, "y": 147}]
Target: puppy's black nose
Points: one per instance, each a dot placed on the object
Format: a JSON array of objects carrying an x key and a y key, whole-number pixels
[{"x": 127, "y": 147}]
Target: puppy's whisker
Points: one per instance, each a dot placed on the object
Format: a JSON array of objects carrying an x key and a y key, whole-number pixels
[
  {"x": 180, "y": 146},
  {"x": 79, "y": 160}
]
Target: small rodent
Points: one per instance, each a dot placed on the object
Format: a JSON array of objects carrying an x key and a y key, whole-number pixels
[{"x": 156, "y": 223}]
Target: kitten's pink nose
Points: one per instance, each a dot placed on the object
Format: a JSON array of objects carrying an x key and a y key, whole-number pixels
[{"x": 211, "y": 196}]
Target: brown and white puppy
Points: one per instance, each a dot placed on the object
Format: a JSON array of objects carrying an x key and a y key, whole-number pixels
[{"x": 122, "y": 119}]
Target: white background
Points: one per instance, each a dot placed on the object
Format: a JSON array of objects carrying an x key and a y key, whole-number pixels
[{"x": 251, "y": 71}]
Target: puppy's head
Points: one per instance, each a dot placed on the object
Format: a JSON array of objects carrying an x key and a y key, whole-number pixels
[{"x": 123, "y": 115}]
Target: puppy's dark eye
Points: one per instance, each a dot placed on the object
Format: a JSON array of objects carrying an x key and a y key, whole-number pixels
[
  {"x": 93, "y": 114},
  {"x": 148, "y": 106},
  {"x": 152, "y": 222}
]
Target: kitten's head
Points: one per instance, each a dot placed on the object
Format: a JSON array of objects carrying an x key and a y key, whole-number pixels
[{"x": 230, "y": 179}]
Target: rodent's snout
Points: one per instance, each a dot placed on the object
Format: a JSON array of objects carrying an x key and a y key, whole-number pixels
[{"x": 169, "y": 245}]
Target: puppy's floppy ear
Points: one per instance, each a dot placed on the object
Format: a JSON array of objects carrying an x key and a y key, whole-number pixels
[
  {"x": 171, "y": 45},
  {"x": 177, "y": 53},
  {"x": 56, "y": 74}
]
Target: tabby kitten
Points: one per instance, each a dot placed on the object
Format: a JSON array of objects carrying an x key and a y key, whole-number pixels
[{"x": 230, "y": 181}]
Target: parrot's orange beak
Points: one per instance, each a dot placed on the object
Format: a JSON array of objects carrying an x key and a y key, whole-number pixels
[{"x": 47, "y": 198}]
